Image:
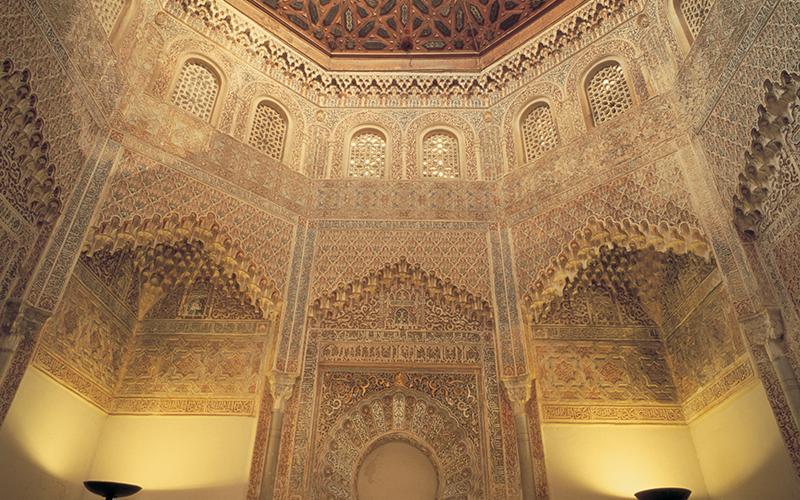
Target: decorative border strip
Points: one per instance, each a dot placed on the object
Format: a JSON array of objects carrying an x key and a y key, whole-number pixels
[
  {"x": 180, "y": 406},
  {"x": 84, "y": 387},
  {"x": 582, "y": 414},
  {"x": 731, "y": 381}
]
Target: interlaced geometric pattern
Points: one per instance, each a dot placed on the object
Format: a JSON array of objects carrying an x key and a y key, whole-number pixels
[
  {"x": 694, "y": 13},
  {"x": 367, "y": 154},
  {"x": 197, "y": 89},
  {"x": 440, "y": 155},
  {"x": 608, "y": 93},
  {"x": 538, "y": 131},
  {"x": 107, "y": 12},
  {"x": 269, "y": 130}
]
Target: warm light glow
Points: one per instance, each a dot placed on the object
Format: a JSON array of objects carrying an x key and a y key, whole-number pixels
[
  {"x": 167, "y": 453},
  {"x": 607, "y": 461},
  {"x": 48, "y": 437}
]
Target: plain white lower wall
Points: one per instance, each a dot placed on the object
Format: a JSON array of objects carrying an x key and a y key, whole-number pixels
[
  {"x": 47, "y": 441},
  {"x": 597, "y": 461},
  {"x": 177, "y": 457},
  {"x": 741, "y": 452}
]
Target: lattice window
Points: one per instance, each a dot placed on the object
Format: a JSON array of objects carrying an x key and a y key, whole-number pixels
[
  {"x": 268, "y": 133},
  {"x": 367, "y": 154},
  {"x": 538, "y": 131},
  {"x": 197, "y": 89},
  {"x": 608, "y": 92},
  {"x": 107, "y": 12},
  {"x": 440, "y": 155},
  {"x": 694, "y": 13}
]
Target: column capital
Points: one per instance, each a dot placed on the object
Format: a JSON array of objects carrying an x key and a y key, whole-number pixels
[
  {"x": 518, "y": 390},
  {"x": 764, "y": 327},
  {"x": 281, "y": 385}
]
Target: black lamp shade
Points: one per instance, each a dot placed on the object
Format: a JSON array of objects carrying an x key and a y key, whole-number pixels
[
  {"x": 663, "y": 494},
  {"x": 109, "y": 489}
]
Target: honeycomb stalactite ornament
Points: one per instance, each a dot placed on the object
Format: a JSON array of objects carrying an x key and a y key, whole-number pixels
[
  {"x": 598, "y": 236},
  {"x": 763, "y": 159},
  {"x": 178, "y": 250},
  {"x": 26, "y": 175},
  {"x": 442, "y": 291}
]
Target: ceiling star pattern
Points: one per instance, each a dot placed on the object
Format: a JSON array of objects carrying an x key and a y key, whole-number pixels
[{"x": 411, "y": 26}]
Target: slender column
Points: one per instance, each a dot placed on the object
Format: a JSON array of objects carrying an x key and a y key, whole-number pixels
[
  {"x": 19, "y": 329},
  {"x": 766, "y": 329},
  {"x": 280, "y": 386},
  {"x": 21, "y": 321},
  {"x": 518, "y": 390}
]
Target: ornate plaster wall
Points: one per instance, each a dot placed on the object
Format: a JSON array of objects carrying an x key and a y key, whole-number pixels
[{"x": 612, "y": 268}]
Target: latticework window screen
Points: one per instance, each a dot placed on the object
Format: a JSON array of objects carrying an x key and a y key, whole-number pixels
[
  {"x": 440, "y": 155},
  {"x": 694, "y": 13},
  {"x": 197, "y": 89},
  {"x": 268, "y": 133},
  {"x": 608, "y": 92},
  {"x": 538, "y": 130},
  {"x": 367, "y": 154},
  {"x": 107, "y": 12}
]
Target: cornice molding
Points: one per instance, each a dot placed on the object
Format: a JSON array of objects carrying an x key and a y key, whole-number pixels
[{"x": 219, "y": 21}]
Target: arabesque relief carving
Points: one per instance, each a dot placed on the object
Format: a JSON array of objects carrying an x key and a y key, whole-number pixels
[
  {"x": 396, "y": 413},
  {"x": 27, "y": 180},
  {"x": 597, "y": 235},
  {"x": 176, "y": 250},
  {"x": 329, "y": 310},
  {"x": 768, "y": 178}
]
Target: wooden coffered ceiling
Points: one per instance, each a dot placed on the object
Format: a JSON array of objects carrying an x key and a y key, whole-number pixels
[{"x": 401, "y": 34}]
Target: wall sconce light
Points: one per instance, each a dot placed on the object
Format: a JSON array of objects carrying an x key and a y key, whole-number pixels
[
  {"x": 663, "y": 494},
  {"x": 110, "y": 490}
]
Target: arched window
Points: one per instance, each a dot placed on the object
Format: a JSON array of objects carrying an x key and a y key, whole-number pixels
[
  {"x": 367, "y": 154},
  {"x": 268, "y": 131},
  {"x": 108, "y": 11},
  {"x": 538, "y": 131},
  {"x": 440, "y": 155},
  {"x": 196, "y": 89},
  {"x": 607, "y": 92},
  {"x": 692, "y": 14}
]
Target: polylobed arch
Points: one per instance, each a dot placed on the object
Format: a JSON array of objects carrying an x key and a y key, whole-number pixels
[
  {"x": 359, "y": 291},
  {"x": 198, "y": 239},
  {"x": 419, "y": 418},
  {"x": 598, "y": 234}
]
